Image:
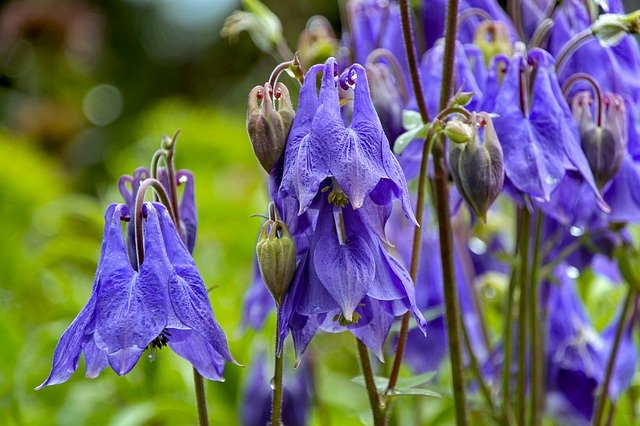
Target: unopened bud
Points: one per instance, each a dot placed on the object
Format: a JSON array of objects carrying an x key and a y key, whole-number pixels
[
  {"x": 268, "y": 125},
  {"x": 276, "y": 252},
  {"x": 605, "y": 143},
  {"x": 478, "y": 169},
  {"x": 610, "y": 28},
  {"x": 458, "y": 131},
  {"x": 628, "y": 258},
  {"x": 492, "y": 38},
  {"x": 317, "y": 42}
]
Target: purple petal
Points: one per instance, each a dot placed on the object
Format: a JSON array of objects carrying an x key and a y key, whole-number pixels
[
  {"x": 131, "y": 308},
  {"x": 193, "y": 347},
  {"x": 346, "y": 271}
]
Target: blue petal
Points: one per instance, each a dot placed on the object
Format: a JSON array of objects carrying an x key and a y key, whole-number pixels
[
  {"x": 67, "y": 352},
  {"x": 187, "y": 208},
  {"x": 187, "y": 292},
  {"x": 346, "y": 271},
  {"x": 131, "y": 307},
  {"x": 193, "y": 347}
]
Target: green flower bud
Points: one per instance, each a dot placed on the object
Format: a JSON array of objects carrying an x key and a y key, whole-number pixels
[
  {"x": 604, "y": 142},
  {"x": 628, "y": 258},
  {"x": 458, "y": 131},
  {"x": 611, "y": 28},
  {"x": 478, "y": 169},
  {"x": 276, "y": 252},
  {"x": 492, "y": 37},
  {"x": 317, "y": 42},
  {"x": 268, "y": 122}
]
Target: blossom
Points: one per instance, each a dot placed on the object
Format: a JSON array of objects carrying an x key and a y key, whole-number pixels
[
  {"x": 163, "y": 303},
  {"x": 542, "y": 143}
]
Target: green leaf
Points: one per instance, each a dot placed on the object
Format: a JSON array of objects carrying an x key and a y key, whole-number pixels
[
  {"x": 411, "y": 119},
  {"x": 403, "y": 140},
  {"x": 405, "y": 386}
]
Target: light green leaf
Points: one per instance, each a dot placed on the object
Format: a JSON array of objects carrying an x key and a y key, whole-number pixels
[{"x": 411, "y": 119}]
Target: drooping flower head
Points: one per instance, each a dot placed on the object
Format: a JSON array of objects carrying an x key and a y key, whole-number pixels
[
  {"x": 345, "y": 177},
  {"x": 163, "y": 302}
]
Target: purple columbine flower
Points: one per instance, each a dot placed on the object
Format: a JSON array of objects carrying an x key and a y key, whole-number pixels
[
  {"x": 163, "y": 302},
  {"x": 320, "y": 146},
  {"x": 345, "y": 179},
  {"x": 541, "y": 142}
]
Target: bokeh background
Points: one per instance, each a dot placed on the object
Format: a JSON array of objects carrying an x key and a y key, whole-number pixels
[{"x": 87, "y": 89}]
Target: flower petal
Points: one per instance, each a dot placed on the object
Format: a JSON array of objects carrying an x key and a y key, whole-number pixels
[
  {"x": 131, "y": 307},
  {"x": 346, "y": 271}
]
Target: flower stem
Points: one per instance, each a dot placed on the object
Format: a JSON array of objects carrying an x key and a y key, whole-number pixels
[
  {"x": 372, "y": 391},
  {"x": 201, "y": 400},
  {"x": 452, "y": 309},
  {"x": 276, "y": 408},
  {"x": 412, "y": 60},
  {"x": 604, "y": 390},
  {"x": 523, "y": 302},
  {"x": 536, "y": 329},
  {"x": 570, "y": 47},
  {"x": 508, "y": 346}
]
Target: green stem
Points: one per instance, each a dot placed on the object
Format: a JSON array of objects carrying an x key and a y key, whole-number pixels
[
  {"x": 523, "y": 302},
  {"x": 417, "y": 231},
  {"x": 201, "y": 400},
  {"x": 452, "y": 308},
  {"x": 536, "y": 330},
  {"x": 276, "y": 408},
  {"x": 372, "y": 391},
  {"x": 508, "y": 346},
  {"x": 475, "y": 366},
  {"x": 570, "y": 47},
  {"x": 604, "y": 390}
]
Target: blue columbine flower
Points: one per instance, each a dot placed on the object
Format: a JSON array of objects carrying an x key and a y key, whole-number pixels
[
  {"x": 344, "y": 178},
  {"x": 541, "y": 143},
  {"x": 163, "y": 303}
]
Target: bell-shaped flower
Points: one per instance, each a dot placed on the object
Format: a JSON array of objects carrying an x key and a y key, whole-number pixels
[
  {"x": 129, "y": 311},
  {"x": 320, "y": 146},
  {"x": 347, "y": 281},
  {"x": 540, "y": 142}
]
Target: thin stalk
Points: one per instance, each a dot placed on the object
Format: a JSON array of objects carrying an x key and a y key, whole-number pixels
[
  {"x": 604, "y": 390},
  {"x": 417, "y": 231},
  {"x": 475, "y": 366},
  {"x": 570, "y": 47},
  {"x": 536, "y": 330},
  {"x": 276, "y": 408},
  {"x": 523, "y": 278},
  {"x": 452, "y": 309},
  {"x": 201, "y": 401},
  {"x": 367, "y": 372},
  {"x": 508, "y": 346}
]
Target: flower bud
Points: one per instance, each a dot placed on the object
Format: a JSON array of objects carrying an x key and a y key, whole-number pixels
[
  {"x": 605, "y": 142},
  {"x": 610, "y": 28},
  {"x": 478, "y": 169},
  {"x": 267, "y": 125},
  {"x": 492, "y": 38},
  {"x": 317, "y": 42},
  {"x": 458, "y": 131},
  {"x": 628, "y": 258},
  {"x": 276, "y": 253}
]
